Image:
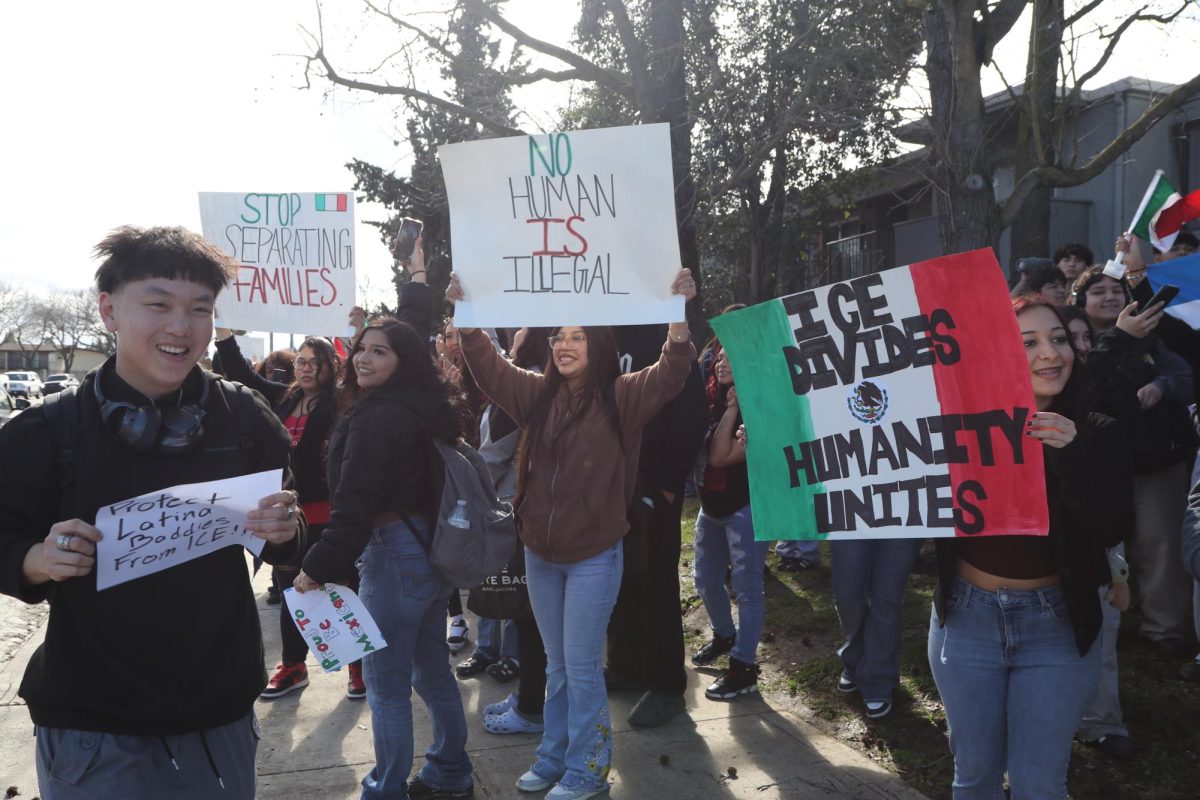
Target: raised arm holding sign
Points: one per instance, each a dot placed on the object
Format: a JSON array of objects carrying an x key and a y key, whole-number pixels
[{"x": 564, "y": 228}]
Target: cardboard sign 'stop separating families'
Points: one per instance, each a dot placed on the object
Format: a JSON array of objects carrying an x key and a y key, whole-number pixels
[
  {"x": 891, "y": 405},
  {"x": 573, "y": 228},
  {"x": 296, "y": 252}
]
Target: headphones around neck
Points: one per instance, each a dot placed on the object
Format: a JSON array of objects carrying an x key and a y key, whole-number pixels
[{"x": 145, "y": 428}]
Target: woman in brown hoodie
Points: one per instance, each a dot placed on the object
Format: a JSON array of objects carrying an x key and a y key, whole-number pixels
[{"x": 581, "y": 426}]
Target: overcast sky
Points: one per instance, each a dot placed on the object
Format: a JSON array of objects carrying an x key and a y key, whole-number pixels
[{"x": 121, "y": 112}]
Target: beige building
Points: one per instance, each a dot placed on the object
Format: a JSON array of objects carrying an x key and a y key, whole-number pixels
[{"x": 44, "y": 359}]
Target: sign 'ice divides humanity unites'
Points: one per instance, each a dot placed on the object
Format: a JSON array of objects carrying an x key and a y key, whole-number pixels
[
  {"x": 295, "y": 252},
  {"x": 890, "y": 405},
  {"x": 568, "y": 228}
]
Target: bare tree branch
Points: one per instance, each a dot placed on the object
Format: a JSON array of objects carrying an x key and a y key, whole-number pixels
[
  {"x": 431, "y": 41},
  {"x": 635, "y": 54},
  {"x": 997, "y": 22},
  {"x": 1082, "y": 12},
  {"x": 605, "y": 77},
  {"x": 333, "y": 76},
  {"x": 1059, "y": 177},
  {"x": 1115, "y": 37}
]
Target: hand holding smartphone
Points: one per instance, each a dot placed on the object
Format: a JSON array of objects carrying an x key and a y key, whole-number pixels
[
  {"x": 1164, "y": 295},
  {"x": 406, "y": 240}
]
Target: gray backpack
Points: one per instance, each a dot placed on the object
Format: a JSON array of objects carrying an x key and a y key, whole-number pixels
[{"x": 468, "y": 550}]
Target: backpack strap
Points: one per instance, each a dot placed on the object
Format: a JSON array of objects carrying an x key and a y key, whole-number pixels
[
  {"x": 245, "y": 413},
  {"x": 62, "y": 415}
]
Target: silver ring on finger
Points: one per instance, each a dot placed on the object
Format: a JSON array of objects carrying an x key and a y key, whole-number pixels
[
  {"x": 63, "y": 542},
  {"x": 290, "y": 515}
]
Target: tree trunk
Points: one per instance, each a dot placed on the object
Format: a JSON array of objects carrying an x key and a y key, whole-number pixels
[
  {"x": 669, "y": 99},
  {"x": 966, "y": 205},
  {"x": 1036, "y": 128}
]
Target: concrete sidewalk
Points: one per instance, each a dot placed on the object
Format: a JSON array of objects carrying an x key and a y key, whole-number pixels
[{"x": 317, "y": 744}]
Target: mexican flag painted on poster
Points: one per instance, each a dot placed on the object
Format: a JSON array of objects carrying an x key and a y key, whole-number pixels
[
  {"x": 891, "y": 405},
  {"x": 1163, "y": 213}
]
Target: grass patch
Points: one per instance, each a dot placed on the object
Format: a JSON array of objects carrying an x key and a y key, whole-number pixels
[{"x": 798, "y": 660}]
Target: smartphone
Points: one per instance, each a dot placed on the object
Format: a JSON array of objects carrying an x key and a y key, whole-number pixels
[
  {"x": 406, "y": 240},
  {"x": 1164, "y": 295}
]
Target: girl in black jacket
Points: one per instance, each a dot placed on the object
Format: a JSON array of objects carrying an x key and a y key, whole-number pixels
[
  {"x": 383, "y": 475},
  {"x": 1013, "y": 643},
  {"x": 305, "y": 407}
]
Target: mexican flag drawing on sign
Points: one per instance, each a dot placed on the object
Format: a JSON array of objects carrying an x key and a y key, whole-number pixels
[
  {"x": 1163, "y": 213},
  {"x": 891, "y": 405}
]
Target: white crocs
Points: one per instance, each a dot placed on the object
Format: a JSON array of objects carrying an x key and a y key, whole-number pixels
[
  {"x": 499, "y": 708},
  {"x": 511, "y": 722}
]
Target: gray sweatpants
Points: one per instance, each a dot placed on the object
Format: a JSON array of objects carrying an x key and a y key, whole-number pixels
[{"x": 86, "y": 765}]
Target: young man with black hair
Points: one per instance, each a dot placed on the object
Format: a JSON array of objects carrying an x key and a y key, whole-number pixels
[
  {"x": 1050, "y": 284},
  {"x": 146, "y": 689},
  {"x": 1072, "y": 259}
]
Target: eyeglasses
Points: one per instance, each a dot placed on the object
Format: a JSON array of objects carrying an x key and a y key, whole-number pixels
[
  {"x": 301, "y": 364},
  {"x": 575, "y": 342}
]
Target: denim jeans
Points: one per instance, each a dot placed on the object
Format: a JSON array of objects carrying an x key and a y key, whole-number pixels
[
  {"x": 572, "y": 603},
  {"x": 869, "y": 576},
  {"x": 799, "y": 548},
  {"x": 492, "y": 629},
  {"x": 1014, "y": 685},
  {"x": 408, "y": 601},
  {"x": 1103, "y": 717},
  {"x": 729, "y": 542}
]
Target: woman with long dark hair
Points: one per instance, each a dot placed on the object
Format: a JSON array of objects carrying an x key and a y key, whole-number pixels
[
  {"x": 382, "y": 473},
  {"x": 581, "y": 427},
  {"x": 1013, "y": 642},
  {"x": 306, "y": 409},
  {"x": 725, "y": 540}
]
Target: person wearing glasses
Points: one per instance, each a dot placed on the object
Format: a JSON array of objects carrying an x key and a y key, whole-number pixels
[{"x": 581, "y": 425}]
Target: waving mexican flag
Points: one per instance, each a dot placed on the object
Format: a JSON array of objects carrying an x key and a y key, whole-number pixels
[{"x": 1164, "y": 212}]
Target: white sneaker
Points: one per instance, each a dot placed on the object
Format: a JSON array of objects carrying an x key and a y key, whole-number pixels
[
  {"x": 559, "y": 793},
  {"x": 532, "y": 782},
  {"x": 457, "y": 637}
]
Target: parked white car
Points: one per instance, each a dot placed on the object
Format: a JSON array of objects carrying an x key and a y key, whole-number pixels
[
  {"x": 9, "y": 407},
  {"x": 24, "y": 384}
]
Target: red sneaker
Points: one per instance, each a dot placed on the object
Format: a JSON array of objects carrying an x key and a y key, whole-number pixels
[
  {"x": 355, "y": 688},
  {"x": 288, "y": 678}
]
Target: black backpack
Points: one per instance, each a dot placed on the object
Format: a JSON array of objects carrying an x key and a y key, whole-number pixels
[{"x": 62, "y": 415}]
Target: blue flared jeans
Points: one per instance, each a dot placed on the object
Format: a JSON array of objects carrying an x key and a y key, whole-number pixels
[
  {"x": 572, "y": 604},
  {"x": 408, "y": 599}
]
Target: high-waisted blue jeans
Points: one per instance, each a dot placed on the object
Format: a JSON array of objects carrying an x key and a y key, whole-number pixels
[
  {"x": 1013, "y": 684},
  {"x": 572, "y": 604},
  {"x": 408, "y": 601}
]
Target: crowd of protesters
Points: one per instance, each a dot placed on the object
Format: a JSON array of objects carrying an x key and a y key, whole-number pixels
[{"x": 595, "y": 434}]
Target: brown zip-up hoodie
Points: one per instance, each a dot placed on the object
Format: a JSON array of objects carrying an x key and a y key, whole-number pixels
[{"x": 580, "y": 482}]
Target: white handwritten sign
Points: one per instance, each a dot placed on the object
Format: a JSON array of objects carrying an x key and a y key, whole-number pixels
[
  {"x": 163, "y": 529},
  {"x": 335, "y": 623},
  {"x": 296, "y": 251},
  {"x": 572, "y": 228}
]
